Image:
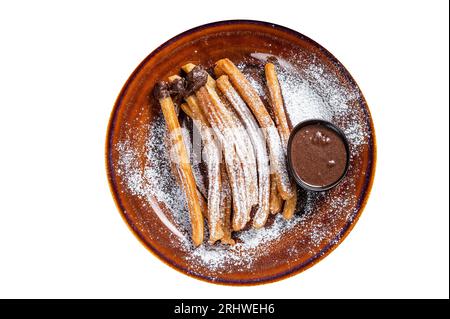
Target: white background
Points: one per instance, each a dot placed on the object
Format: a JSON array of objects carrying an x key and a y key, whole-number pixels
[{"x": 62, "y": 66}]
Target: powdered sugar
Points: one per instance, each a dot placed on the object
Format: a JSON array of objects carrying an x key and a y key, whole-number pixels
[
  {"x": 257, "y": 86},
  {"x": 259, "y": 147},
  {"x": 250, "y": 244},
  {"x": 312, "y": 92},
  {"x": 155, "y": 182},
  {"x": 316, "y": 93},
  {"x": 301, "y": 101}
]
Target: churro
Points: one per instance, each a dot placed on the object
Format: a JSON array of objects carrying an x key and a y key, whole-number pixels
[
  {"x": 289, "y": 207},
  {"x": 177, "y": 89},
  {"x": 162, "y": 94},
  {"x": 284, "y": 130},
  {"x": 215, "y": 213},
  {"x": 235, "y": 132},
  {"x": 212, "y": 156},
  {"x": 243, "y": 147},
  {"x": 233, "y": 166},
  {"x": 250, "y": 96},
  {"x": 259, "y": 147},
  {"x": 276, "y": 202},
  {"x": 198, "y": 176},
  {"x": 186, "y": 109},
  {"x": 225, "y": 206},
  {"x": 277, "y": 103}
]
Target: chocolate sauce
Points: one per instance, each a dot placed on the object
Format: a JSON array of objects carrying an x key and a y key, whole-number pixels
[
  {"x": 161, "y": 90},
  {"x": 181, "y": 88},
  {"x": 178, "y": 87},
  {"x": 196, "y": 79},
  {"x": 318, "y": 155},
  {"x": 272, "y": 59},
  {"x": 178, "y": 90}
]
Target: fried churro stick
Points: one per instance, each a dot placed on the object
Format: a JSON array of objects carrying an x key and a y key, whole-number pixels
[
  {"x": 289, "y": 206},
  {"x": 277, "y": 103},
  {"x": 199, "y": 180},
  {"x": 259, "y": 146},
  {"x": 225, "y": 204},
  {"x": 183, "y": 163},
  {"x": 188, "y": 68},
  {"x": 250, "y": 96},
  {"x": 186, "y": 109},
  {"x": 236, "y": 132},
  {"x": 174, "y": 170},
  {"x": 177, "y": 90},
  {"x": 282, "y": 125},
  {"x": 276, "y": 202},
  {"x": 234, "y": 169},
  {"x": 237, "y": 164},
  {"x": 207, "y": 136},
  {"x": 215, "y": 213},
  {"x": 203, "y": 205},
  {"x": 174, "y": 78},
  {"x": 212, "y": 158},
  {"x": 175, "y": 83}
]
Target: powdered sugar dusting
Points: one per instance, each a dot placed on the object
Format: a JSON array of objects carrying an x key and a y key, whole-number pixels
[
  {"x": 155, "y": 182},
  {"x": 250, "y": 244},
  {"x": 301, "y": 101},
  {"x": 311, "y": 92},
  {"x": 257, "y": 86}
]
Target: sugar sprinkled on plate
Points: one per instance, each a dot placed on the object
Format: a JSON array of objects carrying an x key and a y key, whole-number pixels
[{"x": 308, "y": 93}]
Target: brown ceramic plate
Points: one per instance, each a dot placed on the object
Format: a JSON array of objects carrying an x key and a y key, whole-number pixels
[{"x": 315, "y": 85}]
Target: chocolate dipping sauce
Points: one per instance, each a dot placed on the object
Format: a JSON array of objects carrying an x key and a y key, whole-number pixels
[{"x": 318, "y": 155}]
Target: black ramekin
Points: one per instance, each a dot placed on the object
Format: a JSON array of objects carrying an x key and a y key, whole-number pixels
[{"x": 330, "y": 126}]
